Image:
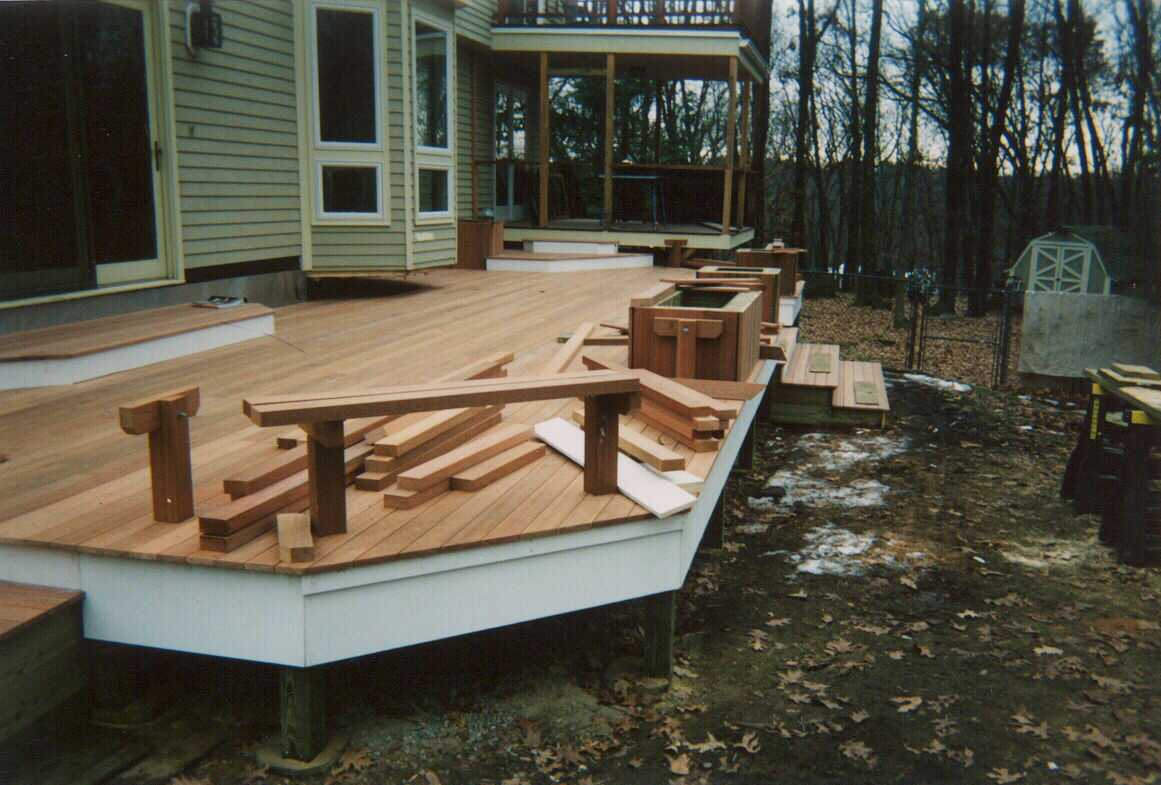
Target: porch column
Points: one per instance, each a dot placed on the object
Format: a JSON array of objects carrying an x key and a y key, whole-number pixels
[
  {"x": 610, "y": 109},
  {"x": 731, "y": 129},
  {"x": 542, "y": 218},
  {"x": 744, "y": 152}
]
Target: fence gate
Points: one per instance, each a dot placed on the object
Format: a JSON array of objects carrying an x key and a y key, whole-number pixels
[{"x": 994, "y": 335}]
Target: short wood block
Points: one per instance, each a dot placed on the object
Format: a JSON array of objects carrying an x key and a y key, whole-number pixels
[
  {"x": 295, "y": 542},
  {"x": 405, "y": 499}
]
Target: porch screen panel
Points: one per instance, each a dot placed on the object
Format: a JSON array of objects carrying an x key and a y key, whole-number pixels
[{"x": 346, "y": 77}]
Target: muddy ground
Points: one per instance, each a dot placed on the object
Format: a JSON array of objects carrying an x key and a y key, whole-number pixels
[{"x": 913, "y": 605}]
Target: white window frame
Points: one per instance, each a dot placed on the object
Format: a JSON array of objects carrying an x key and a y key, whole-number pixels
[
  {"x": 340, "y": 164},
  {"x": 358, "y": 154},
  {"x": 437, "y": 158}
]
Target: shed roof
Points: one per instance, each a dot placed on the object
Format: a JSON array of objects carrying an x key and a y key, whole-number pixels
[{"x": 1122, "y": 260}]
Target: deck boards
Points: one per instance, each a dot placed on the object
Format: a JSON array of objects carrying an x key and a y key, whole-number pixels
[
  {"x": 22, "y": 604},
  {"x": 92, "y": 494},
  {"x": 798, "y": 371},
  {"x": 865, "y": 372},
  {"x": 113, "y": 332}
]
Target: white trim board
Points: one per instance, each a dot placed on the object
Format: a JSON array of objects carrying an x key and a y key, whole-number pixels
[
  {"x": 578, "y": 265},
  {"x": 69, "y": 370},
  {"x": 305, "y": 620},
  {"x": 788, "y": 310},
  {"x": 652, "y": 491},
  {"x": 570, "y": 246}
]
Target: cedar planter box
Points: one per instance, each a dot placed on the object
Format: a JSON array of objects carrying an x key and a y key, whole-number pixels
[
  {"x": 785, "y": 259},
  {"x": 695, "y": 333},
  {"x": 476, "y": 241},
  {"x": 771, "y": 285}
]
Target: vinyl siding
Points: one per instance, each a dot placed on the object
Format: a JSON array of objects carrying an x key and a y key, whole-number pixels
[
  {"x": 378, "y": 247},
  {"x": 474, "y": 20},
  {"x": 475, "y": 76},
  {"x": 237, "y": 141}
]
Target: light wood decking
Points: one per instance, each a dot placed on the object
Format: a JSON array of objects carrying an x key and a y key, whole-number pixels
[{"x": 74, "y": 481}]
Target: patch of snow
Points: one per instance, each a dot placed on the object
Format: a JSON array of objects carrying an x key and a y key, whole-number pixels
[
  {"x": 847, "y": 453},
  {"x": 830, "y": 550},
  {"x": 940, "y": 384},
  {"x": 752, "y": 528},
  {"x": 814, "y": 492}
]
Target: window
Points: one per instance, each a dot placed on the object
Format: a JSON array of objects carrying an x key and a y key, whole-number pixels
[
  {"x": 348, "y": 150},
  {"x": 431, "y": 86},
  {"x": 434, "y": 124}
]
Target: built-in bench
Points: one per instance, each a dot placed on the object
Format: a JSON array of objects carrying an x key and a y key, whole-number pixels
[
  {"x": 41, "y": 658},
  {"x": 73, "y": 352}
]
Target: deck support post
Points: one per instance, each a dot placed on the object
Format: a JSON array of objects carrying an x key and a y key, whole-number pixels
[
  {"x": 744, "y": 152},
  {"x": 731, "y": 131},
  {"x": 660, "y": 624},
  {"x": 610, "y": 111},
  {"x": 545, "y": 104},
  {"x": 602, "y": 434},
  {"x": 327, "y": 474},
  {"x": 302, "y": 704},
  {"x": 714, "y": 537},
  {"x": 676, "y": 251},
  {"x": 166, "y": 420}
]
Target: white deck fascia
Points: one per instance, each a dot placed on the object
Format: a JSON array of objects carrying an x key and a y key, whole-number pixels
[
  {"x": 788, "y": 310},
  {"x": 580, "y": 264},
  {"x": 629, "y": 239},
  {"x": 304, "y": 620}
]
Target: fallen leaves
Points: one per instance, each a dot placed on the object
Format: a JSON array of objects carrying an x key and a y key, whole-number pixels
[
  {"x": 857, "y": 750},
  {"x": 907, "y": 703},
  {"x": 749, "y": 743},
  {"x": 679, "y": 764},
  {"x": 1047, "y": 651},
  {"x": 758, "y": 640},
  {"x": 1003, "y": 776}
]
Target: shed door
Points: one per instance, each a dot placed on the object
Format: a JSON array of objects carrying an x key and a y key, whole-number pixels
[{"x": 1060, "y": 267}]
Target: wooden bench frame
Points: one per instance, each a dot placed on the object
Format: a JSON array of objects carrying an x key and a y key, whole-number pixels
[{"x": 606, "y": 394}]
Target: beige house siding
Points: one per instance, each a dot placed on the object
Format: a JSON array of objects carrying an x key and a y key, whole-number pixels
[
  {"x": 237, "y": 140},
  {"x": 476, "y": 100},
  {"x": 474, "y": 20}
]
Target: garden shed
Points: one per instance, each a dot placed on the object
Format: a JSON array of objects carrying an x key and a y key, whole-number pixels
[{"x": 1080, "y": 260}]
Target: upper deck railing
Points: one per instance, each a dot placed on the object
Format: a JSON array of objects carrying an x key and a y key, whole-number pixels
[{"x": 750, "y": 17}]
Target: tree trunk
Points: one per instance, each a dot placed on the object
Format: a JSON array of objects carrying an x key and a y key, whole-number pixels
[
  {"x": 958, "y": 152},
  {"x": 868, "y": 256}
]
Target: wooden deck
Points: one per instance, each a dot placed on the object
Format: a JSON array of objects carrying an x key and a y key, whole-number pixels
[
  {"x": 23, "y": 604},
  {"x": 113, "y": 332},
  {"x": 74, "y": 482}
]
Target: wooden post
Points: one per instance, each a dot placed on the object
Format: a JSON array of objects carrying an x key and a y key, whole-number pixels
[
  {"x": 302, "y": 695},
  {"x": 660, "y": 624},
  {"x": 542, "y": 219},
  {"x": 602, "y": 435},
  {"x": 166, "y": 420},
  {"x": 731, "y": 128},
  {"x": 610, "y": 110},
  {"x": 327, "y": 474},
  {"x": 676, "y": 251},
  {"x": 744, "y": 152},
  {"x": 611, "y": 13}
]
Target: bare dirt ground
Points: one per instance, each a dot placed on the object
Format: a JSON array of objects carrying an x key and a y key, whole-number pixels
[{"x": 913, "y": 605}]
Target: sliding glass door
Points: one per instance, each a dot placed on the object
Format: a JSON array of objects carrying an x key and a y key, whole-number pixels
[{"x": 79, "y": 159}]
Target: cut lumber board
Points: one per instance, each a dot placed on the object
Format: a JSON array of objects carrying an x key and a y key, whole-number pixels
[
  {"x": 672, "y": 394},
  {"x": 682, "y": 435},
  {"x": 309, "y": 408},
  {"x": 572, "y": 347},
  {"x": 633, "y": 443},
  {"x": 723, "y": 389},
  {"x": 683, "y": 479},
  {"x": 427, "y": 428},
  {"x": 228, "y": 543},
  {"x": 404, "y": 499},
  {"x": 459, "y": 435},
  {"x": 607, "y": 340},
  {"x": 265, "y": 473},
  {"x": 440, "y": 469},
  {"x": 655, "y": 493},
  {"x": 295, "y": 542},
  {"x": 240, "y": 513},
  {"x": 354, "y": 431},
  {"x": 1137, "y": 371},
  {"x": 699, "y": 424},
  {"x": 501, "y": 465},
  {"x": 1128, "y": 381}
]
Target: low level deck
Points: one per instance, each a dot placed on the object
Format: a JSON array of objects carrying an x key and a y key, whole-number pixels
[
  {"x": 77, "y": 511},
  {"x": 630, "y": 234}
]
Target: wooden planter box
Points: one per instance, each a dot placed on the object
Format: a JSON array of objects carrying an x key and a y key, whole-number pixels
[
  {"x": 700, "y": 334},
  {"x": 771, "y": 285},
  {"x": 476, "y": 241},
  {"x": 785, "y": 259}
]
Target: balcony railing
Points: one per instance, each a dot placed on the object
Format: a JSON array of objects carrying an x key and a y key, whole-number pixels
[{"x": 750, "y": 17}]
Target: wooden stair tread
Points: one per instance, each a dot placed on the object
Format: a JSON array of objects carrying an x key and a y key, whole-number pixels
[
  {"x": 112, "y": 332},
  {"x": 854, "y": 374},
  {"x": 798, "y": 371},
  {"x": 22, "y": 604}
]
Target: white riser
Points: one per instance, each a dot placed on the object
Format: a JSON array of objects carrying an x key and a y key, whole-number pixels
[
  {"x": 45, "y": 373},
  {"x": 570, "y": 265},
  {"x": 788, "y": 309},
  {"x": 561, "y": 246}
]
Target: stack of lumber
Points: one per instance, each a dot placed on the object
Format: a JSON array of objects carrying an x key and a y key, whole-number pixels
[
  {"x": 688, "y": 416},
  {"x": 378, "y": 449}
]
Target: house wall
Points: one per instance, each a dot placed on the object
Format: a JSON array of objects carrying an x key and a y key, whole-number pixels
[
  {"x": 477, "y": 103},
  {"x": 237, "y": 137},
  {"x": 474, "y": 20}
]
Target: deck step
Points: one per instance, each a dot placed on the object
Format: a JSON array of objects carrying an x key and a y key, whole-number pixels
[
  {"x": 565, "y": 262},
  {"x": 814, "y": 365},
  {"x": 571, "y": 247},
  {"x": 41, "y": 653},
  {"x": 861, "y": 387}
]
